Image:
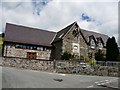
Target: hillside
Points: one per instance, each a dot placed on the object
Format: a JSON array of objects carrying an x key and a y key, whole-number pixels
[
  {"x": 1, "y": 42},
  {"x": 1, "y": 39}
]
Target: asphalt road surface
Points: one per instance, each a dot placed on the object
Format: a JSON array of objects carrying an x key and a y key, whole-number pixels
[
  {"x": 0, "y": 73},
  {"x": 17, "y": 78},
  {"x": 0, "y": 77}
]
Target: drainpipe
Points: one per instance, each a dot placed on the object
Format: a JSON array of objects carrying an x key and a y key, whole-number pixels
[
  {"x": 79, "y": 42},
  {"x": 6, "y": 51}
]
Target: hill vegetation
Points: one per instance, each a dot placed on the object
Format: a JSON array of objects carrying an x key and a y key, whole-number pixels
[{"x": 1, "y": 42}]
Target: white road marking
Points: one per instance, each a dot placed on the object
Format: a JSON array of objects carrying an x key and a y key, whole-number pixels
[
  {"x": 96, "y": 82},
  {"x": 90, "y": 86},
  {"x": 50, "y": 73},
  {"x": 101, "y": 81},
  {"x": 115, "y": 79},
  {"x": 62, "y": 74},
  {"x": 106, "y": 80}
]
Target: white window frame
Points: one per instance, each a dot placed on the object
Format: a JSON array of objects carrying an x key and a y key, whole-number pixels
[
  {"x": 78, "y": 48},
  {"x": 92, "y": 43},
  {"x": 100, "y": 45}
]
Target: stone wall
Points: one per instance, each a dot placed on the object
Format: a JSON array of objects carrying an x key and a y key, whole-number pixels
[
  {"x": 11, "y": 51},
  {"x": 74, "y": 67},
  {"x": 28, "y": 64},
  {"x": 68, "y": 67}
]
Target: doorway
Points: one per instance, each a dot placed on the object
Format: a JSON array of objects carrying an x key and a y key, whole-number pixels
[{"x": 31, "y": 55}]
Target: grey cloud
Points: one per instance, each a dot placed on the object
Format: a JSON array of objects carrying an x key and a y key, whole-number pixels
[{"x": 58, "y": 13}]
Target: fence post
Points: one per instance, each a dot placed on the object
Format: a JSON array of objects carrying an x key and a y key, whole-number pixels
[{"x": 54, "y": 64}]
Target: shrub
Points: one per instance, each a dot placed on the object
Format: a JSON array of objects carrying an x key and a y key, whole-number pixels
[
  {"x": 67, "y": 56},
  {"x": 81, "y": 57},
  {"x": 118, "y": 58},
  {"x": 93, "y": 62},
  {"x": 87, "y": 59},
  {"x": 100, "y": 56}
]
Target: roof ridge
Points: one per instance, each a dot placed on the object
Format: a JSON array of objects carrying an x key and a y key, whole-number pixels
[
  {"x": 94, "y": 32},
  {"x": 66, "y": 27},
  {"x": 28, "y": 35},
  {"x": 63, "y": 30},
  {"x": 32, "y": 28}
]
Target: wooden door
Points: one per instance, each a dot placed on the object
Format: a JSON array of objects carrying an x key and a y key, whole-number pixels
[{"x": 31, "y": 55}]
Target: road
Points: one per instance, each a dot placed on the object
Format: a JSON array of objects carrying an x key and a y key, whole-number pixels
[
  {"x": 0, "y": 77},
  {"x": 16, "y": 78},
  {"x": 0, "y": 73}
]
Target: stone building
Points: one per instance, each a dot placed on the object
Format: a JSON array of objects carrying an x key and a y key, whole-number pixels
[{"x": 26, "y": 42}]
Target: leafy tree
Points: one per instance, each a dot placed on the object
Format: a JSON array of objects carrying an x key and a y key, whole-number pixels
[
  {"x": 67, "y": 56},
  {"x": 118, "y": 58},
  {"x": 112, "y": 51},
  {"x": 100, "y": 56}
]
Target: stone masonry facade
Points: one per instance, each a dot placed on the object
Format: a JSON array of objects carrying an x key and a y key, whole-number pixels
[
  {"x": 51, "y": 45},
  {"x": 11, "y": 51}
]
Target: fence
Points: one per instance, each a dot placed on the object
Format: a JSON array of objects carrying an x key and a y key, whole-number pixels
[
  {"x": 82, "y": 68},
  {"x": 108, "y": 63}
]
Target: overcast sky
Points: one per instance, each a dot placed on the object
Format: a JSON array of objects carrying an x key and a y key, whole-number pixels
[{"x": 53, "y": 15}]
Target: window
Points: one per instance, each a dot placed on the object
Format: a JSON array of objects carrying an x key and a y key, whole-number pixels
[
  {"x": 18, "y": 46},
  {"x": 24, "y": 47},
  {"x": 31, "y": 47},
  {"x": 88, "y": 39},
  {"x": 61, "y": 35},
  {"x": 48, "y": 49},
  {"x": 35, "y": 47},
  {"x": 40, "y": 48},
  {"x": 27, "y": 47},
  {"x": 75, "y": 48},
  {"x": 92, "y": 42},
  {"x": 100, "y": 45}
]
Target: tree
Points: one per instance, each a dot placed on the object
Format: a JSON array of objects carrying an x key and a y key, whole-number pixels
[
  {"x": 100, "y": 56},
  {"x": 112, "y": 50},
  {"x": 67, "y": 56}
]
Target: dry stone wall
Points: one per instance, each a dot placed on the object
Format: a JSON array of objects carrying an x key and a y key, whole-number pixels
[
  {"x": 68, "y": 67},
  {"x": 28, "y": 64}
]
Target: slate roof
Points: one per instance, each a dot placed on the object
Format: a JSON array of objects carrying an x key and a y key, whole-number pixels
[
  {"x": 63, "y": 32},
  {"x": 87, "y": 33},
  {"x": 23, "y": 34},
  {"x": 27, "y": 35}
]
